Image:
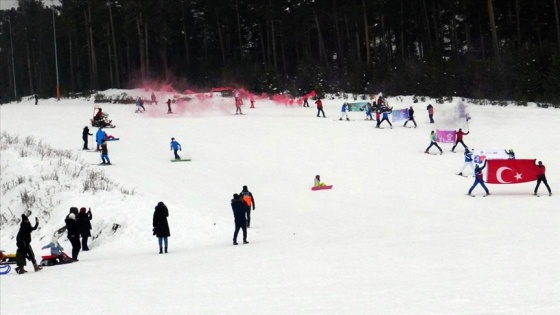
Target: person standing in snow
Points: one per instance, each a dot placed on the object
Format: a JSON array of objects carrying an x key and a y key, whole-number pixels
[
  {"x": 479, "y": 179},
  {"x": 385, "y": 116},
  {"x": 153, "y": 97},
  {"x": 175, "y": 146},
  {"x": 23, "y": 243},
  {"x": 99, "y": 136},
  {"x": 430, "y": 110},
  {"x": 169, "y": 106},
  {"x": 378, "y": 118},
  {"x": 433, "y": 141},
  {"x": 84, "y": 221},
  {"x": 305, "y": 102},
  {"x": 247, "y": 196},
  {"x": 344, "y": 111},
  {"x": 541, "y": 177},
  {"x": 73, "y": 232},
  {"x": 85, "y": 134},
  {"x": 239, "y": 208},
  {"x": 238, "y": 103},
  {"x": 368, "y": 110},
  {"x": 36, "y": 99},
  {"x": 468, "y": 161},
  {"x": 459, "y": 134},
  {"x": 410, "y": 117},
  {"x": 105, "y": 153},
  {"x": 161, "y": 226},
  {"x": 319, "y": 107}
]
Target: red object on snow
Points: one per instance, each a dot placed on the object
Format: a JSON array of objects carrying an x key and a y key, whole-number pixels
[
  {"x": 321, "y": 187},
  {"x": 511, "y": 171}
]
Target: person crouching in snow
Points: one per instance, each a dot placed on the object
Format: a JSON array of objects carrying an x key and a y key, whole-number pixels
[
  {"x": 57, "y": 250},
  {"x": 478, "y": 179},
  {"x": 318, "y": 182},
  {"x": 344, "y": 111},
  {"x": 468, "y": 161}
]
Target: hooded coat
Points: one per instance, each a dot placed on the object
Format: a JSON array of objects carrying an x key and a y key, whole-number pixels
[
  {"x": 84, "y": 223},
  {"x": 25, "y": 229},
  {"x": 160, "y": 224}
]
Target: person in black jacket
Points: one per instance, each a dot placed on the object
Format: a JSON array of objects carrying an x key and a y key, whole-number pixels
[
  {"x": 23, "y": 243},
  {"x": 85, "y": 134},
  {"x": 73, "y": 229},
  {"x": 410, "y": 117},
  {"x": 239, "y": 208},
  {"x": 247, "y": 196},
  {"x": 161, "y": 226},
  {"x": 85, "y": 226}
]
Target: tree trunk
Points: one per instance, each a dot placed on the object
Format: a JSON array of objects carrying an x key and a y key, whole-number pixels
[
  {"x": 263, "y": 47},
  {"x": 493, "y": 29},
  {"x": 366, "y": 32},
  {"x": 94, "y": 72},
  {"x": 427, "y": 24},
  {"x": 115, "y": 54},
  {"x": 322, "y": 49},
  {"x": 239, "y": 29},
  {"x": 518, "y": 23},
  {"x": 141, "y": 46},
  {"x": 29, "y": 68},
  {"x": 185, "y": 37},
  {"x": 71, "y": 62},
  {"x": 221, "y": 38},
  {"x": 110, "y": 61},
  {"x": 338, "y": 31},
  {"x": 467, "y": 28},
  {"x": 147, "y": 49},
  {"x": 557, "y": 19}
]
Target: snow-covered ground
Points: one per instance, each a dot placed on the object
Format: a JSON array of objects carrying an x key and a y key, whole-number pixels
[{"x": 396, "y": 234}]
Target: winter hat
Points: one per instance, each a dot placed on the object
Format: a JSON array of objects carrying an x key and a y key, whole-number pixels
[
  {"x": 24, "y": 218},
  {"x": 172, "y": 139},
  {"x": 245, "y": 187},
  {"x": 82, "y": 210},
  {"x": 72, "y": 216},
  {"x": 235, "y": 196}
]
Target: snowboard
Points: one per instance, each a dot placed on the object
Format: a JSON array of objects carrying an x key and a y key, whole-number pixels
[
  {"x": 433, "y": 153},
  {"x": 181, "y": 160},
  {"x": 462, "y": 175},
  {"x": 101, "y": 164},
  {"x": 321, "y": 187},
  {"x": 114, "y": 139}
]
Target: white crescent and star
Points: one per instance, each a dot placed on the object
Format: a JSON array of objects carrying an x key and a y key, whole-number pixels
[{"x": 518, "y": 176}]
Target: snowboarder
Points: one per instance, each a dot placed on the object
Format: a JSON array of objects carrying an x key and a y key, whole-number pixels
[
  {"x": 319, "y": 107},
  {"x": 318, "y": 182},
  {"x": 385, "y": 117},
  {"x": 239, "y": 208},
  {"x": 169, "y": 106},
  {"x": 73, "y": 230},
  {"x": 433, "y": 141},
  {"x": 161, "y": 226},
  {"x": 541, "y": 177},
  {"x": 85, "y": 134},
  {"x": 250, "y": 201},
  {"x": 57, "y": 250},
  {"x": 430, "y": 110},
  {"x": 104, "y": 153},
  {"x": 84, "y": 221},
  {"x": 459, "y": 134},
  {"x": 344, "y": 111},
  {"x": 468, "y": 161},
  {"x": 410, "y": 117},
  {"x": 175, "y": 146},
  {"x": 23, "y": 242},
  {"x": 478, "y": 179},
  {"x": 99, "y": 136}
]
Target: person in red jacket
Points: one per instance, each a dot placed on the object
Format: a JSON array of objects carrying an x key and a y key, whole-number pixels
[
  {"x": 541, "y": 177},
  {"x": 459, "y": 139},
  {"x": 320, "y": 107}
]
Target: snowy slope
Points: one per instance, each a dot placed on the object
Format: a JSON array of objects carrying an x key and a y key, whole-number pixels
[{"x": 396, "y": 234}]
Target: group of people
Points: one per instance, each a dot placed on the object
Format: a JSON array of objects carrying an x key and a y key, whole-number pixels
[
  {"x": 241, "y": 204},
  {"x": 78, "y": 225}
]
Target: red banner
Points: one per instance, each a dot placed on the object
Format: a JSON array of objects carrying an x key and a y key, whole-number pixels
[{"x": 511, "y": 171}]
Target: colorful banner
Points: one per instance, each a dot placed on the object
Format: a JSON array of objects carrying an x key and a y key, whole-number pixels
[
  {"x": 511, "y": 171},
  {"x": 357, "y": 106},
  {"x": 400, "y": 114},
  {"x": 480, "y": 155},
  {"x": 445, "y": 136}
]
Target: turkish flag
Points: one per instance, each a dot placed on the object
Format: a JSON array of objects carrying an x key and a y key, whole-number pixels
[{"x": 511, "y": 171}]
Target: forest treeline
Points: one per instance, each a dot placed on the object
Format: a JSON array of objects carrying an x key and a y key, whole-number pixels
[{"x": 495, "y": 49}]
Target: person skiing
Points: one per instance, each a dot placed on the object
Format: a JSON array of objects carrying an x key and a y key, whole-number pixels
[
  {"x": 99, "y": 136},
  {"x": 85, "y": 134},
  {"x": 23, "y": 243},
  {"x": 318, "y": 182},
  {"x": 478, "y": 179},
  {"x": 104, "y": 153},
  {"x": 247, "y": 196},
  {"x": 169, "y": 106},
  {"x": 541, "y": 177},
  {"x": 238, "y": 103},
  {"x": 385, "y": 117},
  {"x": 368, "y": 111},
  {"x": 378, "y": 118},
  {"x": 468, "y": 161},
  {"x": 459, "y": 134},
  {"x": 430, "y": 110},
  {"x": 239, "y": 208},
  {"x": 57, "y": 250},
  {"x": 410, "y": 117},
  {"x": 175, "y": 146},
  {"x": 319, "y": 107},
  {"x": 161, "y": 226},
  {"x": 73, "y": 229},
  {"x": 344, "y": 111},
  {"x": 433, "y": 141},
  {"x": 84, "y": 221}
]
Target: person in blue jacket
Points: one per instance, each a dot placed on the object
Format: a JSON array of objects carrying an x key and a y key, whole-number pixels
[
  {"x": 468, "y": 161},
  {"x": 344, "y": 111},
  {"x": 175, "y": 146},
  {"x": 368, "y": 112},
  {"x": 99, "y": 136},
  {"x": 478, "y": 179},
  {"x": 57, "y": 250},
  {"x": 385, "y": 117}
]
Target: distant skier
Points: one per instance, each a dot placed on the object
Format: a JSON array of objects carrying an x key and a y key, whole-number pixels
[
  {"x": 468, "y": 161},
  {"x": 385, "y": 117},
  {"x": 478, "y": 179},
  {"x": 105, "y": 153},
  {"x": 175, "y": 146},
  {"x": 252, "y": 100},
  {"x": 84, "y": 221},
  {"x": 318, "y": 182},
  {"x": 161, "y": 226},
  {"x": 430, "y": 110},
  {"x": 73, "y": 229},
  {"x": 238, "y": 206},
  {"x": 169, "y": 106},
  {"x": 238, "y": 103},
  {"x": 344, "y": 111},
  {"x": 541, "y": 177},
  {"x": 433, "y": 142},
  {"x": 247, "y": 196},
  {"x": 153, "y": 97},
  {"x": 99, "y": 136},
  {"x": 410, "y": 117},
  {"x": 319, "y": 107},
  {"x": 305, "y": 102},
  {"x": 459, "y": 134},
  {"x": 378, "y": 118},
  {"x": 85, "y": 134}
]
